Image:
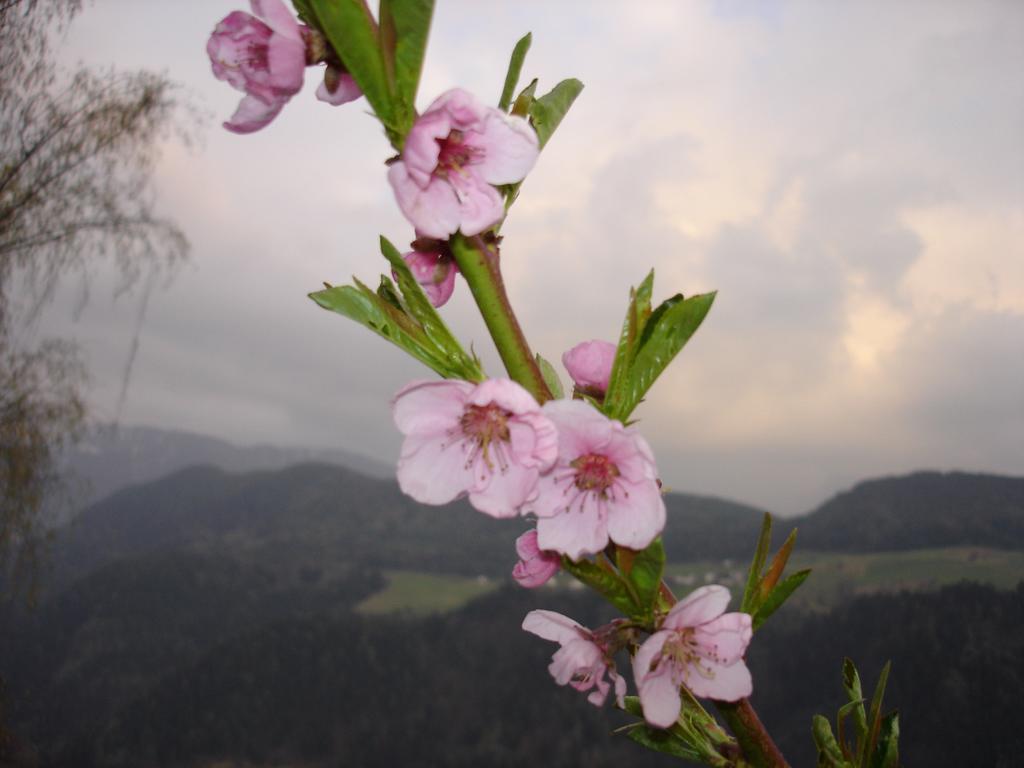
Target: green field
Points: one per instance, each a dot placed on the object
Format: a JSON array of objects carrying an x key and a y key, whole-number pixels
[
  {"x": 418, "y": 593},
  {"x": 835, "y": 577}
]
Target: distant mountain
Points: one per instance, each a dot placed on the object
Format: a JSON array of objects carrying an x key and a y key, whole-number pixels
[
  {"x": 112, "y": 457},
  {"x": 317, "y": 515},
  {"x": 917, "y": 511}
]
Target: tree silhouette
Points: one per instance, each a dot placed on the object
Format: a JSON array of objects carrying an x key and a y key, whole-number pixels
[{"x": 77, "y": 151}]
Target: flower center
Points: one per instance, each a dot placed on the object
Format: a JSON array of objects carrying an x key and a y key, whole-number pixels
[
  {"x": 594, "y": 472},
  {"x": 485, "y": 424},
  {"x": 454, "y": 154},
  {"x": 681, "y": 650}
]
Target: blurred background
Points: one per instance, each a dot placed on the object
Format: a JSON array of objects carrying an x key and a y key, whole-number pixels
[{"x": 223, "y": 571}]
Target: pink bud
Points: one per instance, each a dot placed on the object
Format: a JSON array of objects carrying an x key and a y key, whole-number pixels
[
  {"x": 264, "y": 56},
  {"x": 435, "y": 272},
  {"x": 590, "y": 366},
  {"x": 535, "y": 566}
]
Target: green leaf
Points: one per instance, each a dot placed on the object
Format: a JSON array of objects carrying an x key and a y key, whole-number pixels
[
  {"x": 829, "y": 753},
  {"x": 550, "y": 377},
  {"x": 459, "y": 364},
  {"x": 851, "y": 682},
  {"x": 604, "y": 582},
  {"x": 370, "y": 310},
  {"x": 409, "y": 22},
  {"x": 875, "y": 712},
  {"x": 779, "y": 595},
  {"x": 667, "y": 331},
  {"x": 547, "y": 111},
  {"x": 645, "y": 575},
  {"x": 353, "y": 34},
  {"x": 777, "y": 566},
  {"x": 515, "y": 66},
  {"x": 637, "y": 312},
  {"x": 304, "y": 10},
  {"x": 887, "y": 753},
  {"x": 751, "y": 595},
  {"x": 387, "y": 291},
  {"x": 662, "y": 741},
  {"x": 841, "y": 715},
  {"x": 525, "y": 99}
]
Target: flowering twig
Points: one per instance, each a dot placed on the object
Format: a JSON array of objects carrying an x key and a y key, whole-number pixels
[{"x": 757, "y": 745}]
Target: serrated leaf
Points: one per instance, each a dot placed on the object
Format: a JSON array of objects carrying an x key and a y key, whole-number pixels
[
  {"x": 751, "y": 594},
  {"x": 459, "y": 364},
  {"x": 887, "y": 753},
  {"x": 387, "y": 291},
  {"x": 548, "y": 111},
  {"x": 841, "y": 715},
  {"x": 370, "y": 310},
  {"x": 353, "y": 34},
  {"x": 525, "y": 99},
  {"x": 778, "y": 565},
  {"x": 550, "y": 377},
  {"x": 851, "y": 683},
  {"x": 645, "y": 573},
  {"x": 515, "y": 67},
  {"x": 664, "y": 335},
  {"x": 409, "y": 21},
  {"x": 604, "y": 582},
  {"x": 304, "y": 10},
  {"x": 639, "y": 300},
  {"x": 875, "y": 712},
  {"x": 779, "y": 595},
  {"x": 829, "y": 753},
  {"x": 662, "y": 741}
]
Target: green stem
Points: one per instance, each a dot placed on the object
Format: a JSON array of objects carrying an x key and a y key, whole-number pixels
[
  {"x": 478, "y": 263},
  {"x": 758, "y": 747}
]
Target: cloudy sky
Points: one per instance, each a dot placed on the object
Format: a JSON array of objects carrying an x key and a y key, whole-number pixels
[{"x": 848, "y": 176}]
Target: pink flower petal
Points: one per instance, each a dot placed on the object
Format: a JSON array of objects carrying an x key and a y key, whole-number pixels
[
  {"x": 659, "y": 697},
  {"x": 286, "y": 60},
  {"x": 724, "y": 640},
  {"x": 699, "y": 607},
  {"x": 430, "y": 407},
  {"x": 480, "y": 205},
  {"x": 590, "y": 365},
  {"x": 581, "y": 427},
  {"x": 647, "y": 653},
  {"x": 575, "y": 654},
  {"x": 421, "y": 151},
  {"x": 431, "y": 471},
  {"x": 433, "y": 210},
  {"x": 504, "y": 491},
  {"x": 725, "y": 683},
  {"x": 509, "y": 148},
  {"x": 345, "y": 91},
  {"x": 253, "y": 114},
  {"x": 636, "y": 520},
  {"x": 277, "y": 16},
  {"x": 578, "y": 532},
  {"x": 551, "y": 626}
]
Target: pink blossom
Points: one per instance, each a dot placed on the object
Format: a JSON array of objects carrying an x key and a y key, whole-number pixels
[
  {"x": 453, "y": 155},
  {"x": 699, "y": 646},
  {"x": 603, "y": 486},
  {"x": 590, "y": 365},
  {"x": 338, "y": 87},
  {"x": 264, "y": 57},
  {"x": 435, "y": 272},
  {"x": 490, "y": 441},
  {"x": 535, "y": 566},
  {"x": 583, "y": 658}
]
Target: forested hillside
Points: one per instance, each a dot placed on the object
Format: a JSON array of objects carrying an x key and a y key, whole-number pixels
[{"x": 471, "y": 689}]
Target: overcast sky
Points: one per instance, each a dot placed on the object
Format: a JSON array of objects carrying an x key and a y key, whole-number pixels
[{"x": 848, "y": 175}]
